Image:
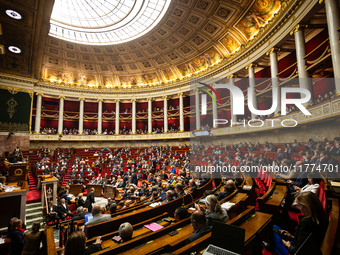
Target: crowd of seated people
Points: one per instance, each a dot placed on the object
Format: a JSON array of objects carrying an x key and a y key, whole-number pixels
[
  {"x": 124, "y": 131},
  {"x": 111, "y": 164},
  {"x": 322, "y": 97}
]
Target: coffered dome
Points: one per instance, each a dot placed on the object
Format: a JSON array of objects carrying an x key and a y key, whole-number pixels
[{"x": 193, "y": 37}]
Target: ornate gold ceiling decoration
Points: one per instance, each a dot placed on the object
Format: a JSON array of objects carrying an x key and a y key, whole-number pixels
[{"x": 194, "y": 38}]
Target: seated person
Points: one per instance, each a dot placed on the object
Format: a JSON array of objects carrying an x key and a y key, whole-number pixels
[
  {"x": 200, "y": 226},
  {"x": 181, "y": 213},
  {"x": 113, "y": 208},
  {"x": 213, "y": 211},
  {"x": 81, "y": 211},
  {"x": 125, "y": 231},
  {"x": 52, "y": 213},
  {"x": 76, "y": 244},
  {"x": 169, "y": 196},
  {"x": 98, "y": 216},
  {"x": 228, "y": 189},
  {"x": 64, "y": 210},
  {"x": 315, "y": 222},
  {"x": 179, "y": 190}
]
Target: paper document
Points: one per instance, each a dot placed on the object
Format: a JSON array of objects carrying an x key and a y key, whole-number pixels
[
  {"x": 153, "y": 226},
  {"x": 227, "y": 205}
]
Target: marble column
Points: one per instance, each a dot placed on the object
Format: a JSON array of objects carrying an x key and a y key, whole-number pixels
[
  {"x": 198, "y": 111},
  {"x": 233, "y": 116},
  {"x": 165, "y": 113},
  {"x": 333, "y": 24},
  {"x": 117, "y": 117},
  {"x": 149, "y": 115},
  {"x": 100, "y": 115},
  {"x": 81, "y": 116},
  {"x": 274, "y": 70},
  {"x": 251, "y": 77},
  {"x": 38, "y": 113},
  {"x": 181, "y": 113},
  {"x": 61, "y": 115},
  {"x": 133, "y": 116},
  {"x": 301, "y": 52}
]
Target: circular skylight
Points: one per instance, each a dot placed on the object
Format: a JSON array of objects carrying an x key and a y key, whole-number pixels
[{"x": 105, "y": 21}]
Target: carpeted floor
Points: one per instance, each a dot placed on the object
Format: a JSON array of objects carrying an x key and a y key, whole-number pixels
[{"x": 33, "y": 196}]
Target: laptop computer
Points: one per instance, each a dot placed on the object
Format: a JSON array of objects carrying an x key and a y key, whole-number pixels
[
  {"x": 88, "y": 217},
  {"x": 226, "y": 240}
]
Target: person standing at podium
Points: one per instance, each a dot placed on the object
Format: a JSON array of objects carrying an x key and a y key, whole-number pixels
[{"x": 90, "y": 200}]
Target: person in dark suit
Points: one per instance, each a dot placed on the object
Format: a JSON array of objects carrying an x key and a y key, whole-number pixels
[
  {"x": 80, "y": 200},
  {"x": 134, "y": 179},
  {"x": 17, "y": 238},
  {"x": 193, "y": 189},
  {"x": 64, "y": 210},
  {"x": 227, "y": 190},
  {"x": 199, "y": 224},
  {"x": 315, "y": 222},
  {"x": 53, "y": 213},
  {"x": 89, "y": 200},
  {"x": 81, "y": 212}
]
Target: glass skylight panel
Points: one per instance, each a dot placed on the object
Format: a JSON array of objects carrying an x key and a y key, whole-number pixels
[{"x": 105, "y": 21}]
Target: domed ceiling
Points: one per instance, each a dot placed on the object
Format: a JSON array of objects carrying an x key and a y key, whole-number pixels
[{"x": 191, "y": 37}]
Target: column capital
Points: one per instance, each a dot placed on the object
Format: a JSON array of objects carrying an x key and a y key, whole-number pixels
[
  {"x": 231, "y": 76},
  {"x": 251, "y": 65},
  {"x": 213, "y": 84},
  {"x": 61, "y": 97},
  {"x": 117, "y": 100},
  {"x": 133, "y": 100},
  {"x": 99, "y": 100},
  {"x": 149, "y": 99},
  {"x": 297, "y": 28},
  {"x": 81, "y": 99},
  {"x": 196, "y": 90},
  {"x": 180, "y": 94},
  {"x": 165, "y": 97},
  {"x": 39, "y": 94},
  {"x": 320, "y": 1},
  {"x": 270, "y": 51}
]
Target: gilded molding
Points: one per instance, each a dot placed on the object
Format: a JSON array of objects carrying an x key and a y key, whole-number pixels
[
  {"x": 180, "y": 94},
  {"x": 251, "y": 65},
  {"x": 133, "y": 100},
  {"x": 100, "y": 100},
  {"x": 61, "y": 97},
  {"x": 39, "y": 94},
  {"x": 117, "y": 100},
  {"x": 272, "y": 50},
  {"x": 165, "y": 97},
  {"x": 149, "y": 99},
  {"x": 297, "y": 28},
  {"x": 231, "y": 76},
  {"x": 81, "y": 99}
]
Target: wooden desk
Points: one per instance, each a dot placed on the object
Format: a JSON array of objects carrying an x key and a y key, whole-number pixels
[
  {"x": 75, "y": 189},
  {"x": 110, "y": 191},
  {"x": 17, "y": 201},
  {"x": 98, "y": 189},
  {"x": 271, "y": 201},
  {"x": 254, "y": 229}
]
